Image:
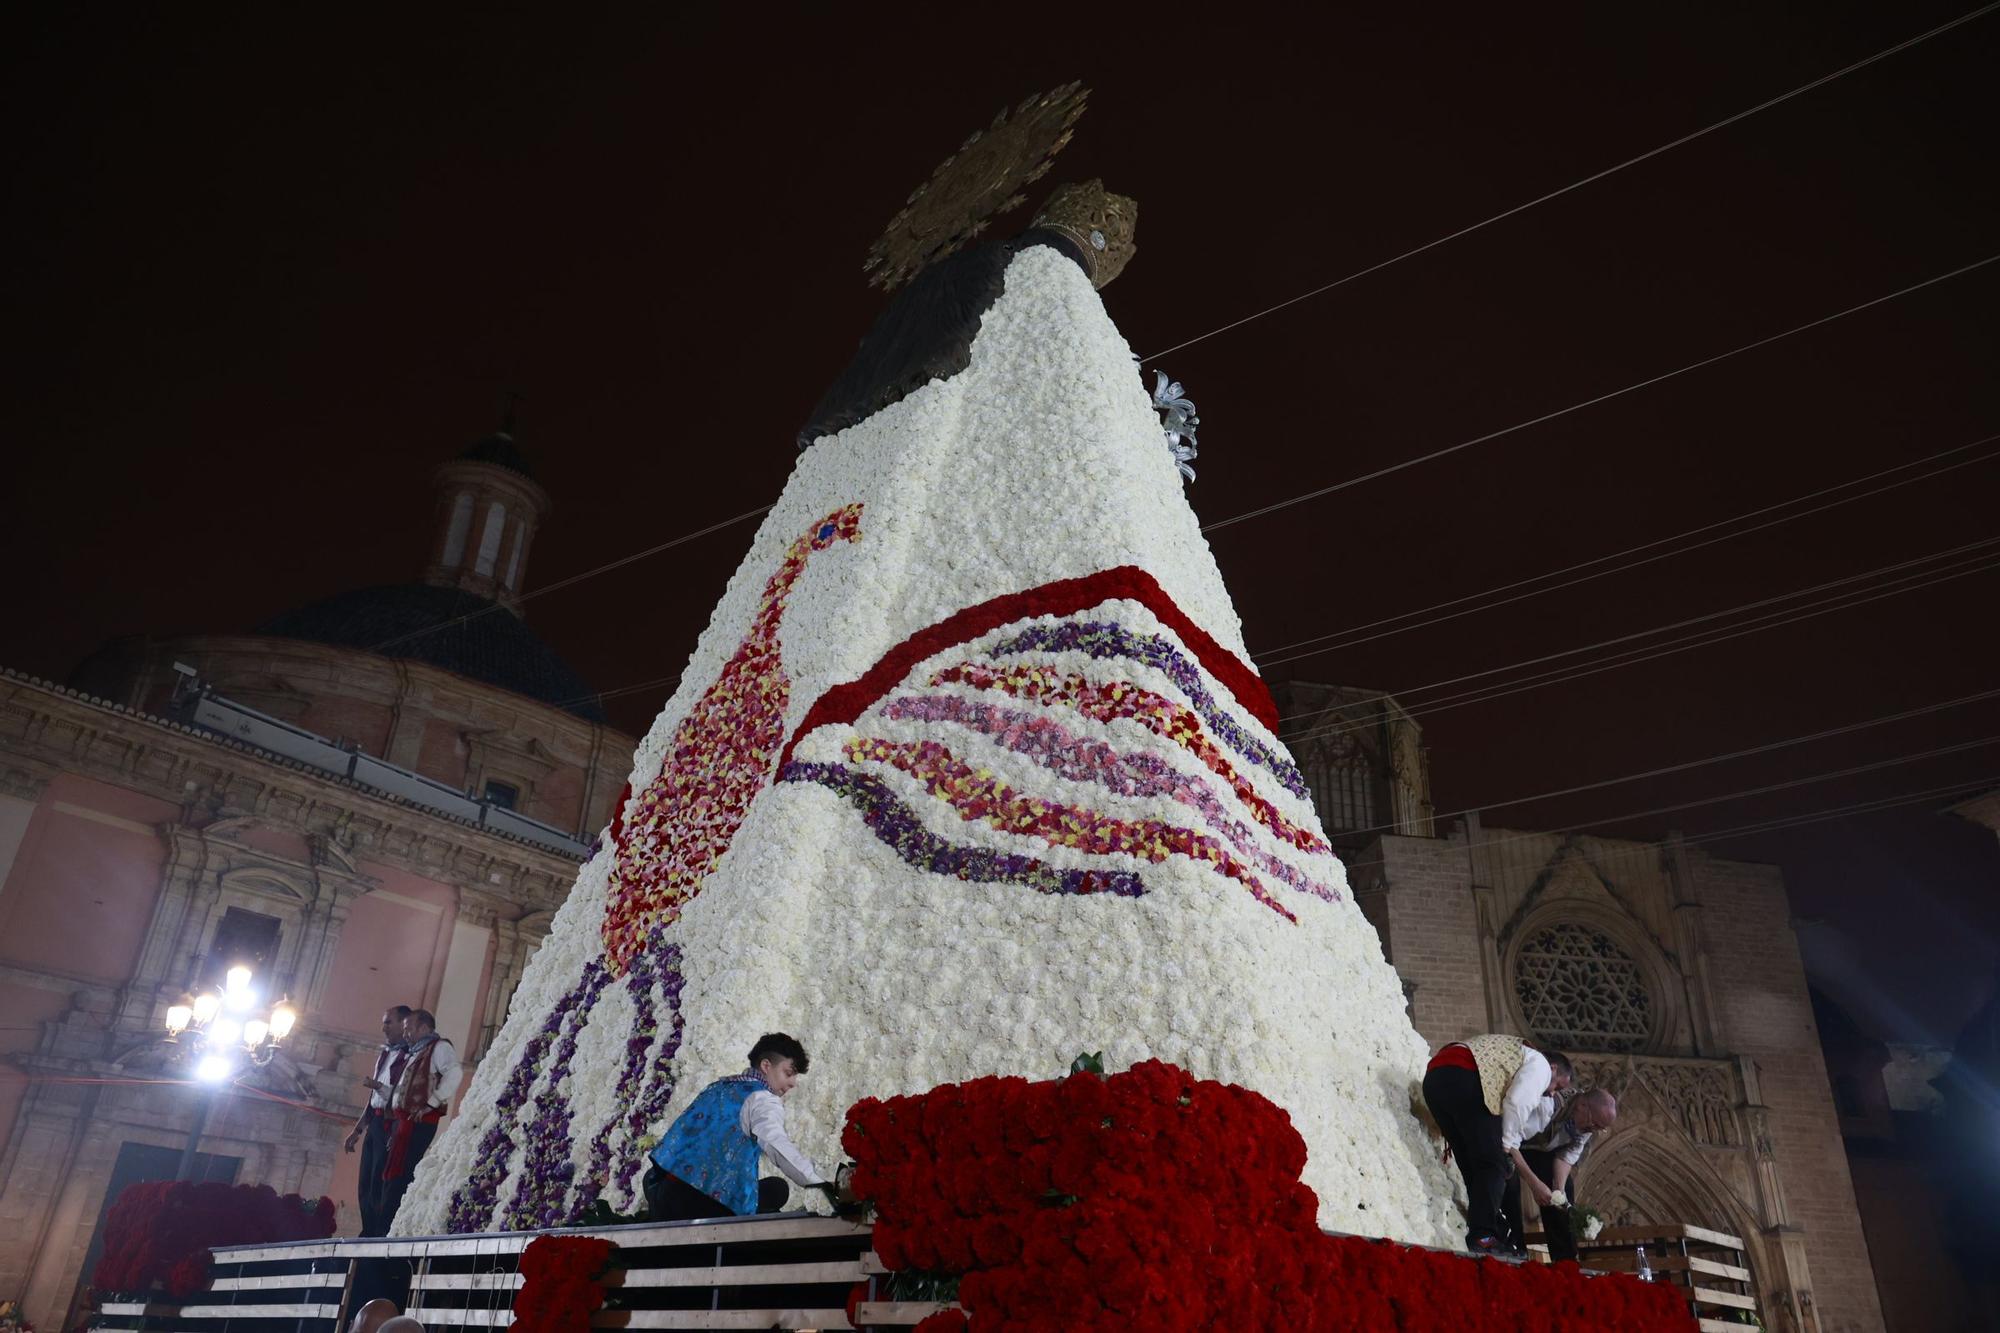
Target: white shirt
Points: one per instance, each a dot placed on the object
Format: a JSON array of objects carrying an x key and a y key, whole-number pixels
[
  {"x": 385, "y": 1060},
  {"x": 1525, "y": 1093},
  {"x": 445, "y": 1072},
  {"x": 1563, "y": 1138},
  {"x": 763, "y": 1119}
]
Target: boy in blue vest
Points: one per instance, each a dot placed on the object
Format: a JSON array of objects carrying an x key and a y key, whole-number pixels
[{"x": 706, "y": 1164}]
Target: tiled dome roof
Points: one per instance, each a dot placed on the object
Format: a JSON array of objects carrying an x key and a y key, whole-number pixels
[{"x": 492, "y": 645}]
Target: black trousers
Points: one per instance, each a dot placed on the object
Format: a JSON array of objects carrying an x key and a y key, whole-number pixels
[
  {"x": 671, "y": 1199},
  {"x": 1555, "y": 1221},
  {"x": 421, "y": 1135},
  {"x": 1459, "y": 1107},
  {"x": 374, "y": 1153}
]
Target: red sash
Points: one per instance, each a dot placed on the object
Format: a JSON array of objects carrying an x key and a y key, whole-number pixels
[{"x": 410, "y": 1105}]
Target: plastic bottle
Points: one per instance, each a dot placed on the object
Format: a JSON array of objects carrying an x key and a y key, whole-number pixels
[{"x": 1645, "y": 1268}]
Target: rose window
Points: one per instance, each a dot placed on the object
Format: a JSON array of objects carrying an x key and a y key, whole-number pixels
[{"x": 1580, "y": 991}]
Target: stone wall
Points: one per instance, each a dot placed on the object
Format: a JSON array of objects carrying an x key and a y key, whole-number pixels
[
  {"x": 1731, "y": 1119},
  {"x": 1432, "y": 930},
  {"x": 1764, "y": 1012}
]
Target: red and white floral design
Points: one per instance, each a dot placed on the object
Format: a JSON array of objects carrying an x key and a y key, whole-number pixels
[{"x": 1022, "y": 519}]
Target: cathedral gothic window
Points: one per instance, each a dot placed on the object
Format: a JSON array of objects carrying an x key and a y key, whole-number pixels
[
  {"x": 1580, "y": 991},
  {"x": 1343, "y": 788}
]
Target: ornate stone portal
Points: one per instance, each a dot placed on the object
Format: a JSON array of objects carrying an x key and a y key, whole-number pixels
[{"x": 1672, "y": 979}]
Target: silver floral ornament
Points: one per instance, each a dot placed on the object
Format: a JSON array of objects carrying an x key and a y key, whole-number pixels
[{"x": 1177, "y": 420}]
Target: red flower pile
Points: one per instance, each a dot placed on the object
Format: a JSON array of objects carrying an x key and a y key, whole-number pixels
[
  {"x": 159, "y": 1232},
  {"x": 561, "y": 1287},
  {"x": 1150, "y": 1199}
]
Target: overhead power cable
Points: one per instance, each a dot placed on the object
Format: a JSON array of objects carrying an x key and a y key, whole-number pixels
[
  {"x": 1665, "y": 770},
  {"x": 1744, "y": 114},
  {"x": 1650, "y": 652},
  {"x": 1854, "y": 770},
  {"x": 546, "y": 588},
  {"x": 1435, "y": 454},
  {"x": 1669, "y": 146},
  {"x": 1765, "y": 790},
  {"x": 1815, "y": 816},
  {"x": 599, "y": 696},
  {"x": 1844, "y": 581},
  {"x": 1668, "y": 542}
]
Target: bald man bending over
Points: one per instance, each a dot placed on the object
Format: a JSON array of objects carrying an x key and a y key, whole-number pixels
[{"x": 1558, "y": 1132}]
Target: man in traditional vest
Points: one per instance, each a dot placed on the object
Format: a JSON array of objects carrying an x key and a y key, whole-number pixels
[
  {"x": 416, "y": 1105},
  {"x": 1485, "y": 1094},
  {"x": 371, "y": 1128},
  {"x": 706, "y": 1164}
]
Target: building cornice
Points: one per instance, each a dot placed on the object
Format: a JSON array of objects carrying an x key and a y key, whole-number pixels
[
  {"x": 51, "y": 727},
  {"x": 478, "y": 695}
]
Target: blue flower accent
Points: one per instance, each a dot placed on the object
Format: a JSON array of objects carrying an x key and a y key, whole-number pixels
[{"x": 826, "y": 533}]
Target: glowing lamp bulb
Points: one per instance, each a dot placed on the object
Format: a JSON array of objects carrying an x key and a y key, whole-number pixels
[
  {"x": 237, "y": 979},
  {"x": 178, "y": 1018},
  {"x": 206, "y": 1006},
  {"x": 282, "y": 1019},
  {"x": 226, "y": 1031},
  {"x": 253, "y": 1032},
  {"x": 240, "y": 1001},
  {"x": 213, "y": 1068}
]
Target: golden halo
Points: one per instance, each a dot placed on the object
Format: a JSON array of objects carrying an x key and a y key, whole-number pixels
[{"x": 982, "y": 179}]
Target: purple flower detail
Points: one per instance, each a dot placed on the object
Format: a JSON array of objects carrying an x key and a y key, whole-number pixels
[
  {"x": 657, "y": 965},
  {"x": 652, "y": 1105},
  {"x": 1102, "y": 640},
  {"x": 896, "y": 825},
  {"x": 1081, "y": 759},
  {"x": 473, "y": 1207},
  {"x": 541, "y": 1194}
]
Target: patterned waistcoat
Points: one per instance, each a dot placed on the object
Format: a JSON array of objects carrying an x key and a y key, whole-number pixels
[
  {"x": 1499, "y": 1058},
  {"x": 707, "y": 1148}
]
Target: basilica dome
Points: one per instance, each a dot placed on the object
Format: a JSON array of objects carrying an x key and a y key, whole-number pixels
[{"x": 446, "y": 627}]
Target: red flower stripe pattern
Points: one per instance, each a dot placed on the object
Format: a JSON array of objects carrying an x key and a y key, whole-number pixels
[
  {"x": 722, "y": 756},
  {"x": 845, "y": 703},
  {"x": 899, "y": 828},
  {"x": 1118, "y": 700},
  {"x": 977, "y": 795},
  {"x": 1081, "y": 759}
]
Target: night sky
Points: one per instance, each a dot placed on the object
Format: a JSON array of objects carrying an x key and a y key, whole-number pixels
[{"x": 267, "y": 270}]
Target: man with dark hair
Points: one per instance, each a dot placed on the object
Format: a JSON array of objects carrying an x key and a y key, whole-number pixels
[
  {"x": 417, "y": 1103},
  {"x": 1484, "y": 1092},
  {"x": 371, "y": 1127},
  {"x": 706, "y": 1164}
]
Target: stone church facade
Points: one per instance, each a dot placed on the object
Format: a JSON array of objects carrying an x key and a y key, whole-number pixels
[
  {"x": 1670, "y": 976},
  {"x": 367, "y": 812}
]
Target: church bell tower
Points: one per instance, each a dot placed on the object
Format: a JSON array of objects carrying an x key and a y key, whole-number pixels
[{"x": 489, "y": 509}]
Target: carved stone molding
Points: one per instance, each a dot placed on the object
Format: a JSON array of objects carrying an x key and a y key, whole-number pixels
[
  {"x": 1703, "y": 1097},
  {"x": 45, "y": 730},
  {"x": 24, "y": 781}
]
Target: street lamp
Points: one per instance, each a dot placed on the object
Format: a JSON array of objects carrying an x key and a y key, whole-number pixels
[{"x": 218, "y": 1033}]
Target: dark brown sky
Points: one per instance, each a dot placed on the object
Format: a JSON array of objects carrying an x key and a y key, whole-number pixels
[{"x": 265, "y": 272}]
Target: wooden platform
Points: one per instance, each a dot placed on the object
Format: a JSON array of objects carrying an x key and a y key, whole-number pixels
[
  {"x": 791, "y": 1270},
  {"x": 786, "y": 1271},
  {"x": 1708, "y": 1266}
]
